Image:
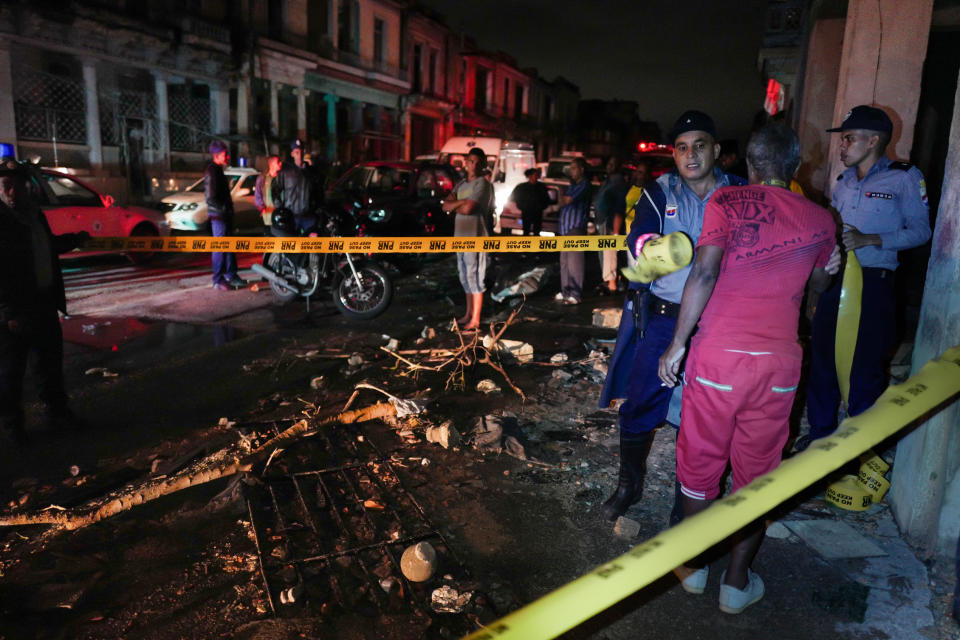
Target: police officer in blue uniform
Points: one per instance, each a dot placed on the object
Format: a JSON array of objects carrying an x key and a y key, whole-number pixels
[
  {"x": 883, "y": 207},
  {"x": 675, "y": 202}
]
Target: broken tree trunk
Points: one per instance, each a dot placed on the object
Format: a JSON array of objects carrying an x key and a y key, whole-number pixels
[{"x": 220, "y": 464}]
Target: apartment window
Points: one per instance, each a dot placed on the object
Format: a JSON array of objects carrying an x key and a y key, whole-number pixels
[
  {"x": 348, "y": 23},
  {"x": 379, "y": 40},
  {"x": 318, "y": 16},
  {"x": 417, "y": 60},
  {"x": 432, "y": 71},
  {"x": 275, "y": 19},
  {"x": 518, "y": 101},
  {"x": 506, "y": 95},
  {"x": 480, "y": 92}
]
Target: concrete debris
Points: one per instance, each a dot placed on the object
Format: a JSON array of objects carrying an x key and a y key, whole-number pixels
[
  {"x": 446, "y": 599},
  {"x": 626, "y": 528},
  {"x": 486, "y": 433},
  {"x": 355, "y": 360},
  {"x": 393, "y": 344},
  {"x": 428, "y": 333},
  {"x": 834, "y": 539},
  {"x": 407, "y": 408},
  {"x": 561, "y": 375},
  {"x": 607, "y": 318},
  {"x": 444, "y": 435},
  {"x": 387, "y": 584},
  {"x": 488, "y": 386},
  {"x": 512, "y": 446},
  {"x": 515, "y": 349},
  {"x": 559, "y": 358},
  {"x": 103, "y": 371},
  {"x": 419, "y": 562},
  {"x": 290, "y": 595},
  {"x": 527, "y": 283},
  {"x": 777, "y": 531},
  {"x": 316, "y": 383}
]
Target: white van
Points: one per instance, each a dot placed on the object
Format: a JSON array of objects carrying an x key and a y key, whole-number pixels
[{"x": 507, "y": 160}]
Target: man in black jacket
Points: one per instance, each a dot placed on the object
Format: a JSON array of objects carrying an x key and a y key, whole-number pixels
[
  {"x": 220, "y": 208},
  {"x": 531, "y": 197},
  {"x": 298, "y": 188},
  {"x": 31, "y": 293}
]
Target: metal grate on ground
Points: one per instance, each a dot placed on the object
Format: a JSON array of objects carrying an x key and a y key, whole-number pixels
[{"x": 331, "y": 520}]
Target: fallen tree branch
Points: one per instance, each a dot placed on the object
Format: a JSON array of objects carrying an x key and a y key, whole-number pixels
[{"x": 220, "y": 464}]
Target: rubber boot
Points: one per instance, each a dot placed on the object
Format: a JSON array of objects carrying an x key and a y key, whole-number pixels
[
  {"x": 676, "y": 514},
  {"x": 633, "y": 462}
]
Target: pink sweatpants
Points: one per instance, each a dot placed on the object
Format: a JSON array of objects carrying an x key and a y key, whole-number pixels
[{"x": 736, "y": 408}]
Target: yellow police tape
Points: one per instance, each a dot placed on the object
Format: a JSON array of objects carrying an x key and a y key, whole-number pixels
[
  {"x": 505, "y": 244},
  {"x": 553, "y": 614},
  {"x": 859, "y": 492},
  {"x": 848, "y": 323}
]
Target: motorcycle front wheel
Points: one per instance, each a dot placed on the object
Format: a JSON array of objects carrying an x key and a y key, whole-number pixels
[
  {"x": 283, "y": 268},
  {"x": 368, "y": 299}
]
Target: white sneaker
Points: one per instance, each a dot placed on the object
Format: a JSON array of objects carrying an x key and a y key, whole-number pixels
[
  {"x": 559, "y": 297},
  {"x": 696, "y": 581},
  {"x": 733, "y": 600},
  {"x": 571, "y": 300}
]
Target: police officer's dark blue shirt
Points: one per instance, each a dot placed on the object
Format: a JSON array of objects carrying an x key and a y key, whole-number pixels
[{"x": 890, "y": 201}]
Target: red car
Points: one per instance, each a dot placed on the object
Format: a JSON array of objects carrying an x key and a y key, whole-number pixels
[{"x": 72, "y": 206}]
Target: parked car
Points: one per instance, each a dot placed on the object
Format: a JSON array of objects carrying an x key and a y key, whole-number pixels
[
  {"x": 556, "y": 171},
  {"x": 71, "y": 206},
  {"x": 187, "y": 210},
  {"x": 395, "y": 198}
]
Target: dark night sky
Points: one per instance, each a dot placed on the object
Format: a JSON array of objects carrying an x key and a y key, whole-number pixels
[{"x": 667, "y": 55}]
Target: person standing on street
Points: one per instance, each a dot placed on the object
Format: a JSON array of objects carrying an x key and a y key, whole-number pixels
[
  {"x": 262, "y": 193},
  {"x": 883, "y": 207},
  {"x": 674, "y": 202},
  {"x": 31, "y": 293},
  {"x": 610, "y": 205},
  {"x": 471, "y": 200},
  {"x": 531, "y": 198},
  {"x": 216, "y": 189},
  {"x": 759, "y": 246},
  {"x": 295, "y": 187},
  {"x": 574, "y": 215}
]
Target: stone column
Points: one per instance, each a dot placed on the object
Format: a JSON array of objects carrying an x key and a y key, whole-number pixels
[
  {"x": 243, "y": 107},
  {"x": 274, "y": 109},
  {"x": 925, "y": 484},
  {"x": 301, "y": 94},
  {"x": 8, "y": 125},
  {"x": 93, "y": 113},
  {"x": 816, "y": 111},
  {"x": 884, "y": 46},
  {"x": 220, "y": 109},
  {"x": 163, "y": 115},
  {"x": 331, "y": 101},
  {"x": 356, "y": 116}
]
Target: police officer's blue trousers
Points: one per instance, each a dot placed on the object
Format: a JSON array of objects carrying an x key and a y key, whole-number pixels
[
  {"x": 647, "y": 401},
  {"x": 875, "y": 342}
]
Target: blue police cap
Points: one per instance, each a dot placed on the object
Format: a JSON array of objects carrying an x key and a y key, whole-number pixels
[{"x": 865, "y": 117}]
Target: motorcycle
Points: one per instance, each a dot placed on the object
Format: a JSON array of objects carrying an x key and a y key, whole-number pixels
[{"x": 361, "y": 288}]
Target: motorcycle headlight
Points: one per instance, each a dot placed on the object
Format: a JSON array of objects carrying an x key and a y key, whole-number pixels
[{"x": 377, "y": 215}]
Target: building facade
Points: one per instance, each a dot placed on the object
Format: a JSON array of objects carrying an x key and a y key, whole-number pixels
[{"x": 129, "y": 93}]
